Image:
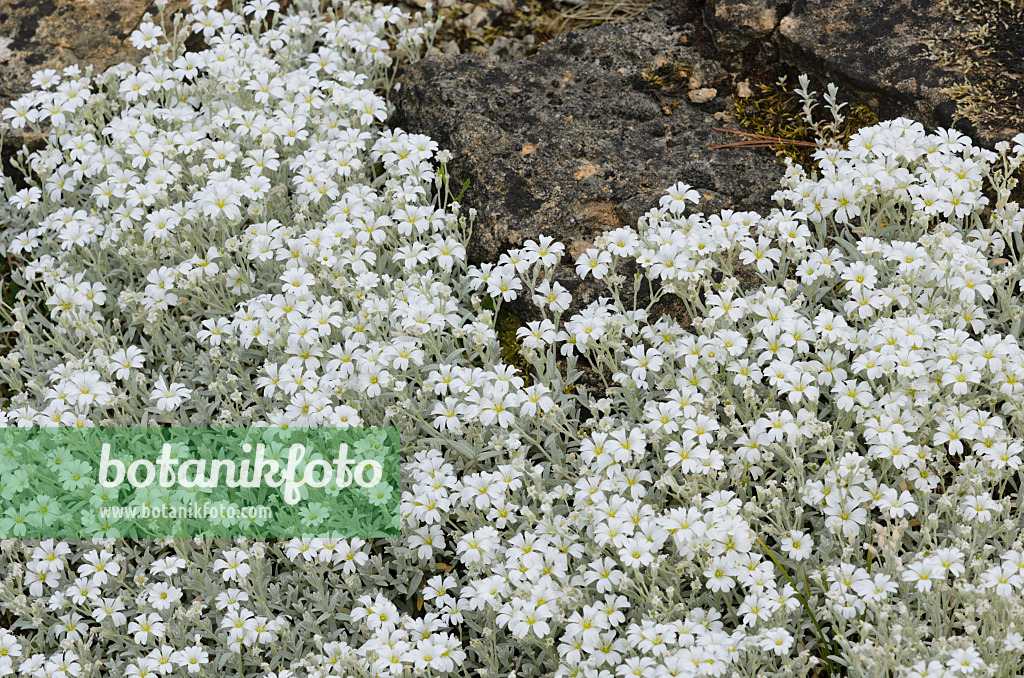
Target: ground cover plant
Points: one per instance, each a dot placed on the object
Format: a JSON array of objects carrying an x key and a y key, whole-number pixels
[{"x": 821, "y": 476}]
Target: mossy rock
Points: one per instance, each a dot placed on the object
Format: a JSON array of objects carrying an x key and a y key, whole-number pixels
[
  {"x": 983, "y": 40},
  {"x": 532, "y": 22}
]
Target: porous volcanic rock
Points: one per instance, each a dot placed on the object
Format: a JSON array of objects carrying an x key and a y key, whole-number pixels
[{"x": 574, "y": 141}]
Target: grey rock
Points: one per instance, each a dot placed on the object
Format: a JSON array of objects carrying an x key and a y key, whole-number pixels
[
  {"x": 735, "y": 24},
  {"x": 872, "y": 47},
  {"x": 504, "y": 48},
  {"x": 572, "y": 142}
]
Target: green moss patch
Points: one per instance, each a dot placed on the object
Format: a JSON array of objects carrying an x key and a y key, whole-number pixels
[
  {"x": 506, "y": 325},
  {"x": 775, "y": 110}
]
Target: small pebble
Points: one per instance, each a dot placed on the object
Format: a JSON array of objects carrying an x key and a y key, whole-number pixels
[
  {"x": 477, "y": 19},
  {"x": 703, "y": 95}
]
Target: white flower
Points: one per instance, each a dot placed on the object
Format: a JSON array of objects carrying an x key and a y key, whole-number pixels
[
  {"x": 192, "y": 657},
  {"x": 965, "y": 661},
  {"x": 717, "y": 574},
  {"x": 641, "y": 360},
  {"x": 233, "y": 566},
  {"x": 124, "y": 360},
  {"x": 797, "y": 545},
  {"x": 147, "y": 625},
  {"x": 99, "y": 567},
  {"x": 146, "y": 36},
  {"x": 777, "y": 640},
  {"x": 979, "y": 507},
  {"x": 677, "y": 196},
  {"x": 760, "y": 253},
  {"x": 162, "y": 596},
  {"x": 923, "y": 574},
  {"x": 595, "y": 262},
  {"x": 168, "y": 398},
  {"x": 553, "y": 296}
]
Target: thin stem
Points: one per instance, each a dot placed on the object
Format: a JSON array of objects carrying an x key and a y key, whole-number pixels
[{"x": 821, "y": 634}]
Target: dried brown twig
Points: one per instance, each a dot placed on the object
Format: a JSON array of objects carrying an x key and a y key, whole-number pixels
[
  {"x": 600, "y": 11},
  {"x": 759, "y": 141}
]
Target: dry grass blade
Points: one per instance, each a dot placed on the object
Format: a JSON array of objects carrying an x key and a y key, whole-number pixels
[
  {"x": 601, "y": 11},
  {"x": 759, "y": 141}
]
